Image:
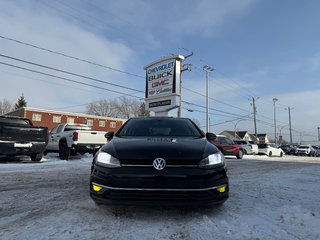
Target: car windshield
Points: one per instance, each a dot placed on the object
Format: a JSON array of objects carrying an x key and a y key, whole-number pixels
[{"x": 160, "y": 127}]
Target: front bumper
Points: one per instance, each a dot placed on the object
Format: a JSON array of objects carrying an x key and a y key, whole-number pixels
[{"x": 145, "y": 186}]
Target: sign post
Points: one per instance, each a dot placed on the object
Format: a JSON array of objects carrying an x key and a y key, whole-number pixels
[{"x": 163, "y": 85}]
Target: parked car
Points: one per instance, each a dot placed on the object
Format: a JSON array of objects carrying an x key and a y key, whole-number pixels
[
  {"x": 70, "y": 139},
  {"x": 248, "y": 147},
  {"x": 159, "y": 160},
  {"x": 305, "y": 150},
  {"x": 289, "y": 149},
  {"x": 270, "y": 149},
  {"x": 18, "y": 137},
  {"x": 227, "y": 146},
  {"x": 255, "y": 149},
  {"x": 317, "y": 151}
]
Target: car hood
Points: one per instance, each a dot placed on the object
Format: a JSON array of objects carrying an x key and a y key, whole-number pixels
[{"x": 151, "y": 148}]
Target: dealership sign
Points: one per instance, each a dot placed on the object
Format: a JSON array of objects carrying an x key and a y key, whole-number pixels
[{"x": 163, "y": 84}]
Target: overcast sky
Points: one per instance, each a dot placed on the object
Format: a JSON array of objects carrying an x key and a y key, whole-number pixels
[{"x": 260, "y": 48}]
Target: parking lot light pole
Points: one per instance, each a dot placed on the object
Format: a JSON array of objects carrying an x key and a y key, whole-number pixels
[
  {"x": 207, "y": 69},
  {"x": 274, "y": 119}
]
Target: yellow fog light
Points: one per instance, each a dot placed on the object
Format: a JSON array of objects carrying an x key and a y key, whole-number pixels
[
  {"x": 222, "y": 189},
  {"x": 96, "y": 188}
]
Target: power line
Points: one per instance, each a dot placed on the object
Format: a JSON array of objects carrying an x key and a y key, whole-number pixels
[
  {"x": 225, "y": 84},
  {"x": 69, "y": 56},
  {"x": 70, "y": 73},
  {"x": 216, "y": 100},
  {"x": 213, "y": 109},
  {"x": 67, "y": 79}
]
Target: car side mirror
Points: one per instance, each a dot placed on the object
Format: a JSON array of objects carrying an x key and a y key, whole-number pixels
[
  {"x": 109, "y": 135},
  {"x": 210, "y": 136}
]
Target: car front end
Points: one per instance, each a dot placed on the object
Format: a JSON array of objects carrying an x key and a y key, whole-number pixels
[{"x": 166, "y": 171}]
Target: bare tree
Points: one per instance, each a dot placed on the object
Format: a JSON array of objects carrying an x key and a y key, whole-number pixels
[
  {"x": 101, "y": 108},
  {"x": 122, "y": 108},
  {"x": 127, "y": 107},
  {"x": 6, "y": 106},
  {"x": 143, "y": 111}
]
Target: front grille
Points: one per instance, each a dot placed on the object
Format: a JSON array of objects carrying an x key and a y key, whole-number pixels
[{"x": 149, "y": 162}]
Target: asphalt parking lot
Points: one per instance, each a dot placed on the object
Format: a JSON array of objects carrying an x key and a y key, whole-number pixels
[{"x": 270, "y": 198}]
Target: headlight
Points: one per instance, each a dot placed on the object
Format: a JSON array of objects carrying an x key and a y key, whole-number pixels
[
  {"x": 106, "y": 160},
  {"x": 212, "y": 160}
]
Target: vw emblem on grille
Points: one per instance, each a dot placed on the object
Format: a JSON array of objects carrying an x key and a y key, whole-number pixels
[{"x": 159, "y": 163}]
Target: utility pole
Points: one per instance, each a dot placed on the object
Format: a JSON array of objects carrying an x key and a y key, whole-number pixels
[
  {"x": 183, "y": 68},
  {"x": 255, "y": 118},
  {"x": 274, "y": 119},
  {"x": 207, "y": 69},
  {"x": 290, "y": 129}
]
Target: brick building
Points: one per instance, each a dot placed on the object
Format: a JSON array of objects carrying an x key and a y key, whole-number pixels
[{"x": 50, "y": 119}]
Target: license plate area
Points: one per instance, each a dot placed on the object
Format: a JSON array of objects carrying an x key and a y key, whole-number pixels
[{"x": 22, "y": 145}]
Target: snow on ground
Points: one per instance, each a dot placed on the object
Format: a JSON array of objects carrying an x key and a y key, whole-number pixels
[{"x": 270, "y": 198}]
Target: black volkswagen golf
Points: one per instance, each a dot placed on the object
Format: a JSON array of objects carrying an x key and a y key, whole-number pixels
[{"x": 161, "y": 160}]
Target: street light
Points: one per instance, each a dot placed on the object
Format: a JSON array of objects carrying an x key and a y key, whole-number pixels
[
  {"x": 235, "y": 127},
  {"x": 207, "y": 69},
  {"x": 274, "y": 118}
]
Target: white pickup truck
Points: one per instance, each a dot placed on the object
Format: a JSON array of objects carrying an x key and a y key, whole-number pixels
[{"x": 70, "y": 139}]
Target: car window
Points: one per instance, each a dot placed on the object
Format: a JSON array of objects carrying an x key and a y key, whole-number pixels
[
  {"x": 157, "y": 127},
  {"x": 221, "y": 140},
  {"x": 17, "y": 121},
  {"x": 262, "y": 145},
  {"x": 229, "y": 141},
  {"x": 54, "y": 130}
]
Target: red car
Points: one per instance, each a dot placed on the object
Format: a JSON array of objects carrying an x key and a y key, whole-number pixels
[{"x": 227, "y": 146}]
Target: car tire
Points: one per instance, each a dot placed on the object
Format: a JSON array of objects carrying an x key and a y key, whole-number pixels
[
  {"x": 36, "y": 157},
  {"x": 270, "y": 154},
  {"x": 64, "y": 151},
  {"x": 240, "y": 155},
  {"x": 281, "y": 154}
]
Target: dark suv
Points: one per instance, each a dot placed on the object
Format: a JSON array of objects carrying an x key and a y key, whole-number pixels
[{"x": 227, "y": 146}]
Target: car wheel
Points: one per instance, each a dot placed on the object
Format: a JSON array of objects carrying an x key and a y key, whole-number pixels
[
  {"x": 281, "y": 154},
  {"x": 270, "y": 154},
  {"x": 240, "y": 155},
  {"x": 36, "y": 157},
  {"x": 64, "y": 151}
]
